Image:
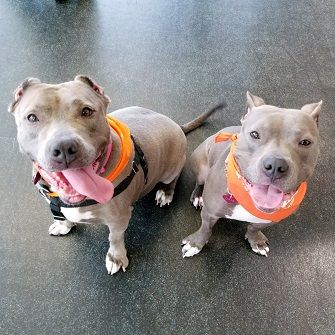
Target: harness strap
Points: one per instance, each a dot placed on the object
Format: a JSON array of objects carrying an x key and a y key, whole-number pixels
[
  {"x": 55, "y": 209},
  {"x": 139, "y": 159}
]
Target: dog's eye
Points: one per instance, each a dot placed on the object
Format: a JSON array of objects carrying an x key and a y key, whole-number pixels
[
  {"x": 305, "y": 143},
  {"x": 255, "y": 135},
  {"x": 32, "y": 118},
  {"x": 87, "y": 112}
]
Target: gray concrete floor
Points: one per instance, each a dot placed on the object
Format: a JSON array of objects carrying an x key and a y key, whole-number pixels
[{"x": 178, "y": 58}]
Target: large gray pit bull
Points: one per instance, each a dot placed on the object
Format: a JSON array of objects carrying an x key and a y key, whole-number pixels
[
  {"x": 63, "y": 129},
  {"x": 276, "y": 152}
]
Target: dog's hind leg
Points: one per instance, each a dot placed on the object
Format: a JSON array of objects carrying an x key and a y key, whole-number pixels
[
  {"x": 199, "y": 166},
  {"x": 193, "y": 243},
  {"x": 165, "y": 193},
  {"x": 196, "y": 196}
]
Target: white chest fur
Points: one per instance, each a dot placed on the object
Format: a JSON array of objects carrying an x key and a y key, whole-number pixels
[
  {"x": 240, "y": 214},
  {"x": 75, "y": 215}
]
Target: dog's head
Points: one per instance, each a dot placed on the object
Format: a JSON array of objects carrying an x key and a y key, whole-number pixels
[
  {"x": 277, "y": 150},
  {"x": 61, "y": 126}
]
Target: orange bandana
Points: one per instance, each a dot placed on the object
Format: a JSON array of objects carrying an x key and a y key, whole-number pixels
[{"x": 236, "y": 187}]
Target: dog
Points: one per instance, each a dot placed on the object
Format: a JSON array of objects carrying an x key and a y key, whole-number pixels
[
  {"x": 92, "y": 167},
  {"x": 256, "y": 172}
]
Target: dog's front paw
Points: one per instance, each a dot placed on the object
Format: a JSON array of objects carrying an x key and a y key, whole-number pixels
[
  {"x": 190, "y": 250},
  {"x": 194, "y": 243},
  {"x": 163, "y": 198},
  {"x": 60, "y": 227},
  {"x": 115, "y": 262},
  {"x": 258, "y": 242}
]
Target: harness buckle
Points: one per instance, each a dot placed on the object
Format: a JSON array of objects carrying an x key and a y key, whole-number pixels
[{"x": 43, "y": 190}]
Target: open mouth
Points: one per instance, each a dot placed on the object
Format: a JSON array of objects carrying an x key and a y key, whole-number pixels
[
  {"x": 75, "y": 185},
  {"x": 268, "y": 198},
  {"x": 62, "y": 186}
]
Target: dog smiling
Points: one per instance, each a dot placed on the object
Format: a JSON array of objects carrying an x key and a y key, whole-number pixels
[
  {"x": 256, "y": 173},
  {"x": 91, "y": 166}
]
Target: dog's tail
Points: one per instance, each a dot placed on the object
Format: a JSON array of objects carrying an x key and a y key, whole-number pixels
[{"x": 197, "y": 122}]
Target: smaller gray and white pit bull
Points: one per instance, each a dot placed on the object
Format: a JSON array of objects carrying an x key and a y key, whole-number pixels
[
  {"x": 63, "y": 129},
  {"x": 257, "y": 175}
]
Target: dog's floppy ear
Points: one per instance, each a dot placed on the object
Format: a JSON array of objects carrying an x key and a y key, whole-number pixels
[
  {"x": 313, "y": 110},
  {"x": 97, "y": 88},
  {"x": 20, "y": 90}
]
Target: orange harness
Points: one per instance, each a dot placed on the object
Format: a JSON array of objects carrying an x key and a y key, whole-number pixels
[
  {"x": 236, "y": 187},
  {"x": 123, "y": 132}
]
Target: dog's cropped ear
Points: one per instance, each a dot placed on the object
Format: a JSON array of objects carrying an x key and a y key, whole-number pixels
[
  {"x": 20, "y": 90},
  {"x": 313, "y": 110},
  {"x": 252, "y": 101},
  {"x": 97, "y": 88}
]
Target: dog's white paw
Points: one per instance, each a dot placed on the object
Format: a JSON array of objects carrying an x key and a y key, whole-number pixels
[
  {"x": 189, "y": 251},
  {"x": 162, "y": 198},
  {"x": 198, "y": 202},
  {"x": 261, "y": 251},
  {"x": 259, "y": 244},
  {"x": 114, "y": 264},
  {"x": 60, "y": 228}
]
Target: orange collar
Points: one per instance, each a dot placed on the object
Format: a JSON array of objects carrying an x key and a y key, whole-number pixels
[
  {"x": 123, "y": 132},
  {"x": 236, "y": 187}
]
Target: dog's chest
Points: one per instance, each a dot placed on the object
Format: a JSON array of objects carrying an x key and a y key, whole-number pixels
[
  {"x": 78, "y": 215},
  {"x": 240, "y": 214}
]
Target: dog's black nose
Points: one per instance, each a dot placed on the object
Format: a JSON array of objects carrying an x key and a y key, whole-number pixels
[
  {"x": 275, "y": 168},
  {"x": 65, "y": 151}
]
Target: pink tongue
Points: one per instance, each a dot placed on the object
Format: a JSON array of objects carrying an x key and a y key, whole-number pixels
[
  {"x": 85, "y": 181},
  {"x": 266, "y": 196}
]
